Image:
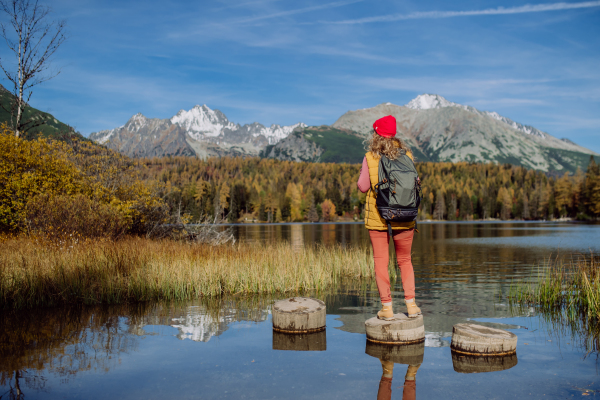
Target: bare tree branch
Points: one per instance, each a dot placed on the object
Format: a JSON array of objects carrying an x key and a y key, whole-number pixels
[{"x": 33, "y": 40}]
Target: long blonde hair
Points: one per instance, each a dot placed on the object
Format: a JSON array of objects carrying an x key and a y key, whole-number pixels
[{"x": 389, "y": 147}]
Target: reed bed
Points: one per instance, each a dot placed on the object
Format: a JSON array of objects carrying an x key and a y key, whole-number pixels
[
  {"x": 34, "y": 273},
  {"x": 573, "y": 288}
]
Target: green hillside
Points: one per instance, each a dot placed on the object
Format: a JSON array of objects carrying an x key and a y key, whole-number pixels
[
  {"x": 51, "y": 127},
  {"x": 341, "y": 146},
  {"x": 569, "y": 160}
]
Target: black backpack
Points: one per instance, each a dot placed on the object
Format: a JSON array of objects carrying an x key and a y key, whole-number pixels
[{"x": 398, "y": 192}]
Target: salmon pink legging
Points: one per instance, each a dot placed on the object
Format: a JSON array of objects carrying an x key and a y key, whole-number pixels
[
  {"x": 403, "y": 243},
  {"x": 385, "y": 390}
]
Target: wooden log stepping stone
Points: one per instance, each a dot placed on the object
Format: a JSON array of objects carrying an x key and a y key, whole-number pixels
[
  {"x": 466, "y": 364},
  {"x": 300, "y": 341},
  {"x": 299, "y": 315},
  {"x": 411, "y": 354},
  {"x": 401, "y": 330},
  {"x": 477, "y": 340}
]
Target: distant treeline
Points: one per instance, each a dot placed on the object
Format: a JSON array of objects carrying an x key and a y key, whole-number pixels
[{"x": 244, "y": 189}]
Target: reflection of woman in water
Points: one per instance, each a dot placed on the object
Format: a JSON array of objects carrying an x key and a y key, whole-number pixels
[
  {"x": 385, "y": 143},
  {"x": 385, "y": 385}
]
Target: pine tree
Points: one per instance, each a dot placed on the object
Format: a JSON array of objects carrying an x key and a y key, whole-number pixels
[
  {"x": 440, "y": 206},
  {"x": 525, "y": 212},
  {"x": 466, "y": 207},
  {"x": 563, "y": 196},
  {"x": 452, "y": 207},
  {"x": 592, "y": 188},
  {"x": 312, "y": 215}
]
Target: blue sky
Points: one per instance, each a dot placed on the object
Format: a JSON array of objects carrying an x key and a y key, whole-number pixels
[{"x": 278, "y": 61}]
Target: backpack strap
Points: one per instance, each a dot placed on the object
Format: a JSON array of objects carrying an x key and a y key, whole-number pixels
[
  {"x": 381, "y": 193},
  {"x": 389, "y": 224}
]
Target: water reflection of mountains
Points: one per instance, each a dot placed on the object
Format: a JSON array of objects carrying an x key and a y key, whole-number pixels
[
  {"x": 201, "y": 321},
  {"x": 67, "y": 341}
]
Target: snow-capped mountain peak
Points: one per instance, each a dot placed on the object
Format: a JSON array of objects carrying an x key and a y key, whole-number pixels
[
  {"x": 428, "y": 101},
  {"x": 277, "y": 132},
  {"x": 136, "y": 122},
  {"x": 201, "y": 121}
]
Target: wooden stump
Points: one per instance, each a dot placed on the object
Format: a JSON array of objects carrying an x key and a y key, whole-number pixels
[
  {"x": 299, "y": 315},
  {"x": 300, "y": 341},
  {"x": 472, "y": 339},
  {"x": 473, "y": 364},
  {"x": 411, "y": 354},
  {"x": 401, "y": 330}
]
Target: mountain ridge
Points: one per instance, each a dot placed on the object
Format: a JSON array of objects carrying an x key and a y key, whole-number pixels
[
  {"x": 200, "y": 131},
  {"x": 434, "y": 127},
  {"x": 445, "y": 132}
]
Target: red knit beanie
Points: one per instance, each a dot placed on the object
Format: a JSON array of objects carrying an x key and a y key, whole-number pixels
[{"x": 385, "y": 126}]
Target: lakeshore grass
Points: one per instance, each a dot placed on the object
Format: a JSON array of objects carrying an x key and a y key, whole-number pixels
[
  {"x": 35, "y": 273},
  {"x": 567, "y": 295},
  {"x": 573, "y": 288}
]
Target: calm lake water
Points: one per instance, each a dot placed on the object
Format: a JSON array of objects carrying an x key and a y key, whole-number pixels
[{"x": 225, "y": 348}]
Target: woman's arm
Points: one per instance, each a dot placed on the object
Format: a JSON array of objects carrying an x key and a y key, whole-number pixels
[{"x": 364, "y": 183}]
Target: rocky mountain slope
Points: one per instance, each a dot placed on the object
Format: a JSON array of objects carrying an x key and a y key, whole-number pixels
[
  {"x": 319, "y": 144},
  {"x": 439, "y": 130},
  {"x": 198, "y": 132}
]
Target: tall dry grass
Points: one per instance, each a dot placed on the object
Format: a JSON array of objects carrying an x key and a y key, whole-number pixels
[{"x": 35, "y": 273}]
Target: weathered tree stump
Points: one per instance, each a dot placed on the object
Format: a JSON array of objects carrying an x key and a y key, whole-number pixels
[
  {"x": 477, "y": 340},
  {"x": 401, "y": 330},
  {"x": 411, "y": 354},
  {"x": 299, "y": 315},
  {"x": 300, "y": 341},
  {"x": 466, "y": 364}
]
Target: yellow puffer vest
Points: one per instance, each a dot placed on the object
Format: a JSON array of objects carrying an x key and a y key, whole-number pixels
[{"x": 373, "y": 220}]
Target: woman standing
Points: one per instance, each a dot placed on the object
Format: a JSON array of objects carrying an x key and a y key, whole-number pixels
[{"x": 384, "y": 143}]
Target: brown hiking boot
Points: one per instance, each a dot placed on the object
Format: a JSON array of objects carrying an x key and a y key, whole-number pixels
[
  {"x": 386, "y": 313},
  {"x": 388, "y": 368},
  {"x": 411, "y": 372},
  {"x": 413, "y": 310}
]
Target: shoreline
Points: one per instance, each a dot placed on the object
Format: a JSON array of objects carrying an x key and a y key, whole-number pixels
[{"x": 428, "y": 221}]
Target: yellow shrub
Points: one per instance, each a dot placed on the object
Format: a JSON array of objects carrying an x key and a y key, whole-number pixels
[
  {"x": 63, "y": 175},
  {"x": 73, "y": 217},
  {"x": 28, "y": 168}
]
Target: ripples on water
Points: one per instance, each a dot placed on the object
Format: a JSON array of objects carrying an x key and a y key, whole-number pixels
[{"x": 225, "y": 348}]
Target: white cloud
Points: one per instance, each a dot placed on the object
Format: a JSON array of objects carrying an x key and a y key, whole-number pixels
[{"x": 528, "y": 8}]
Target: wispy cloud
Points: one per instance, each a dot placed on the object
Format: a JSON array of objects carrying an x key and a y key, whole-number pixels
[
  {"x": 528, "y": 8},
  {"x": 469, "y": 87},
  {"x": 299, "y": 11}
]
